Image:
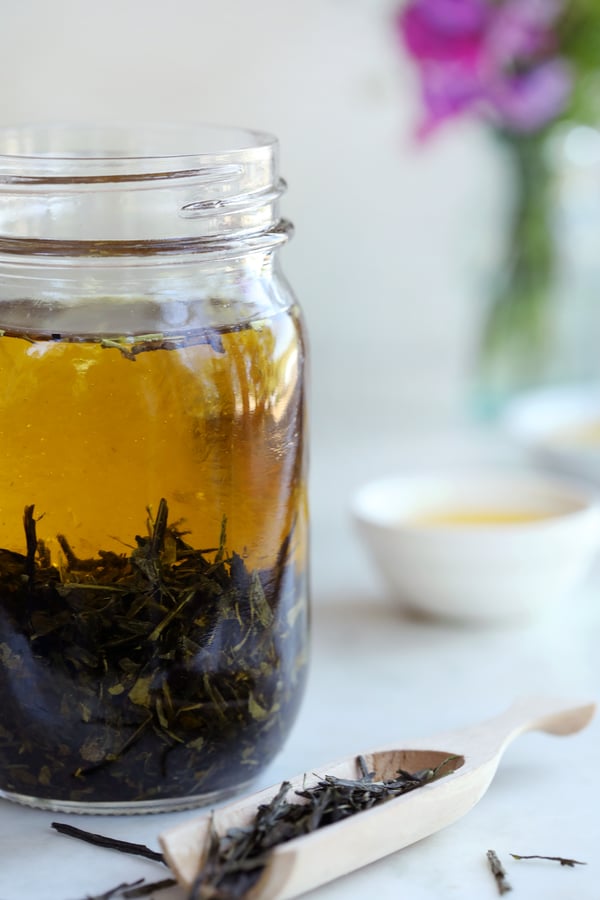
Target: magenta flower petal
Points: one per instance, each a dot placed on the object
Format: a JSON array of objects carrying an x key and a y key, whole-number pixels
[
  {"x": 539, "y": 13},
  {"x": 529, "y": 101},
  {"x": 482, "y": 55},
  {"x": 523, "y": 29},
  {"x": 454, "y": 17},
  {"x": 448, "y": 90},
  {"x": 446, "y": 29}
]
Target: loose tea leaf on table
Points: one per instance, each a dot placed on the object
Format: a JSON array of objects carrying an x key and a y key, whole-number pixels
[
  {"x": 148, "y": 888},
  {"x": 498, "y": 872},
  {"x": 101, "y": 840},
  {"x": 235, "y": 861},
  {"x": 115, "y": 892},
  {"x": 140, "y": 888},
  {"x": 133, "y": 889},
  {"x": 570, "y": 863}
]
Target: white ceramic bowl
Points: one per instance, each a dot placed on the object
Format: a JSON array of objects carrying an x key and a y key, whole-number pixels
[
  {"x": 561, "y": 426},
  {"x": 480, "y": 572}
]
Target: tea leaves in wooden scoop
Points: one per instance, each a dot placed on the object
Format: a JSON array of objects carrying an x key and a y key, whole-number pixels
[{"x": 234, "y": 861}]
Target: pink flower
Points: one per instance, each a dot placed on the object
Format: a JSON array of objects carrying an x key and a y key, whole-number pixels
[
  {"x": 529, "y": 101},
  {"x": 446, "y": 37},
  {"x": 496, "y": 58},
  {"x": 444, "y": 29},
  {"x": 522, "y": 29}
]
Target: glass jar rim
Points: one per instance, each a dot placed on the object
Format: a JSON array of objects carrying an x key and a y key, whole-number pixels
[
  {"x": 114, "y": 183},
  {"x": 47, "y": 150}
]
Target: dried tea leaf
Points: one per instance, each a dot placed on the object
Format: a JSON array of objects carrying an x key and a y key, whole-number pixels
[
  {"x": 140, "y": 692},
  {"x": 235, "y": 860},
  {"x": 256, "y": 710}
]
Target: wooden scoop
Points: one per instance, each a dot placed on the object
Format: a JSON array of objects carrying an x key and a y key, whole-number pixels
[{"x": 306, "y": 862}]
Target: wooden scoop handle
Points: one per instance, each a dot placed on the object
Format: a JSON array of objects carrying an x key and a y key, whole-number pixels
[{"x": 530, "y": 713}]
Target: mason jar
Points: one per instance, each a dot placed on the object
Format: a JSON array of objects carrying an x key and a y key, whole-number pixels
[{"x": 153, "y": 503}]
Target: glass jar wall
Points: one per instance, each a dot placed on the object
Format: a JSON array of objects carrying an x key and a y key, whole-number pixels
[{"x": 153, "y": 521}]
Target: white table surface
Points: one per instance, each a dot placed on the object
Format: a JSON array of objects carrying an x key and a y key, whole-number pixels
[{"x": 378, "y": 677}]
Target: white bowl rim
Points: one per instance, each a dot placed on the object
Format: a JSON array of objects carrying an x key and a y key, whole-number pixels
[
  {"x": 583, "y": 497},
  {"x": 535, "y": 415}
]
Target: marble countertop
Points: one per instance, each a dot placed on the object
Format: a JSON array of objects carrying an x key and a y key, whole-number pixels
[{"x": 379, "y": 677}]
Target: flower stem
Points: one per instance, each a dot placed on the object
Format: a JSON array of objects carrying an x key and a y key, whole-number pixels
[{"x": 517, "y": 338}]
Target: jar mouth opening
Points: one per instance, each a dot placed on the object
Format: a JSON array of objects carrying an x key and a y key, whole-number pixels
[
  {"x": 86, "y": 153},
  {"x": 136, "y": 183}
]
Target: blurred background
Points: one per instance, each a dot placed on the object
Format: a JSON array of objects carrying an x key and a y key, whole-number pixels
[
  {"x": 413, "y": 233},
  {"x": 394, "y": 238}
]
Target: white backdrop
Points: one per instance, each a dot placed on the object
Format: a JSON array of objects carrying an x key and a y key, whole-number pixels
[{"x": 392, "y": 239}]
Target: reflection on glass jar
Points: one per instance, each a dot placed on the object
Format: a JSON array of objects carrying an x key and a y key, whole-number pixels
[{"x": 153, "y": 521}]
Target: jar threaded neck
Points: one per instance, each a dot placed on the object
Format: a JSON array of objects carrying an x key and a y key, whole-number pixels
[{"x": 90, "y": 190}]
